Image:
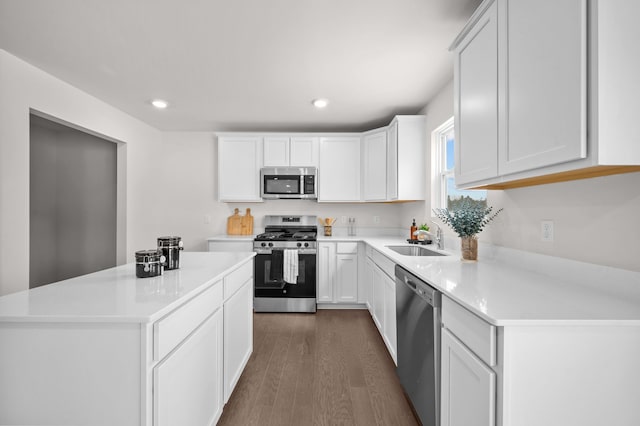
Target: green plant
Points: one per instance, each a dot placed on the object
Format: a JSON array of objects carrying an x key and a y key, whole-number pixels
[
  {"x": 467, "y": 219},
  {"x": 424, "y": 227}
]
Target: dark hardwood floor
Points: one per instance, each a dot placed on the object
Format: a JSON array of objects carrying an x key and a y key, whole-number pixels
[{"x": 328, "y": 368}]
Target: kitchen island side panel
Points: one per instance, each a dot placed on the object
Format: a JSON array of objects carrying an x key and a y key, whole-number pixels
[{"x": 70, "y": 373}]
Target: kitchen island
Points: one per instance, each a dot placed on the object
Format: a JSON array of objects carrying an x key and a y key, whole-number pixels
[{"x": 109, "y": 348}]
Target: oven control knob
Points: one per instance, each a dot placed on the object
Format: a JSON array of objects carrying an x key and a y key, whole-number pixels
[
  {"x": 270, "y": 244},
  {"x": 306, "y": 244},
  {"x": 263, "y": 244},
  {"x": 299, "y": 244}
]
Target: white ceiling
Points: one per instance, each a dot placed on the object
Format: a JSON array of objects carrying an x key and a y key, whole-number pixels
[{"x": 244, "y": 64}]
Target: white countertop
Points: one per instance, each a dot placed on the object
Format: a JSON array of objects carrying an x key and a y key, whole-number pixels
[
  {"x": 511, "y": 287},
  {"x": 117, "y": 295},
  {"x": 505, "y": 294}
]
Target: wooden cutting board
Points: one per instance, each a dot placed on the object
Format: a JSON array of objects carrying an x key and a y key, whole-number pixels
[
  {"x": 240, "y": 225},
  {"x": 234, "y": 223},
  {"x": 246, "y": 224}
]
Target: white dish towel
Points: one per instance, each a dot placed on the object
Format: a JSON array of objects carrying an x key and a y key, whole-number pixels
[{"x": 290, "y": 266}]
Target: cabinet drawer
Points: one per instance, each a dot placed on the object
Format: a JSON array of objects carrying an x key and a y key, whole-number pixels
[
  {"x": 172, "y": 329},
  {"x": 368, "y": 250},
  {"x": 235, "y": 279},
  {"x": 385, "y": 264},
  {"x": 477, "y": 334},
  {"x": 347, "y": 248}
]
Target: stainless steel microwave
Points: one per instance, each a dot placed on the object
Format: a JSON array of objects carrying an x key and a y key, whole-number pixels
[{"x": 288, "y": 182}]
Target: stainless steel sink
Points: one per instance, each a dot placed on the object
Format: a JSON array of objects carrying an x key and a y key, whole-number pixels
[{"x": 414, "y": 251}]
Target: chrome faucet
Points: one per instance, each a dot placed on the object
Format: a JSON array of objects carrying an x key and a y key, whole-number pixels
[{"x": 439, "y": 237}]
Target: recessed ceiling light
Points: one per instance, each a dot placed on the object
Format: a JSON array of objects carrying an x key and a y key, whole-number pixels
[
  {"x": 320, "y": 103},
  {"x": 159, "y": 103}
]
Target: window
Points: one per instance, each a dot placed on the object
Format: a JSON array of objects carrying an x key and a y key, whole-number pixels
[{"x": 444, "y": 192}]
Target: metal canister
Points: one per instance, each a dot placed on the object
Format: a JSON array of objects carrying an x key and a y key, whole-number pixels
[
  {"x": 170, "y": 247},
  {"x": 149, "y": 263}
]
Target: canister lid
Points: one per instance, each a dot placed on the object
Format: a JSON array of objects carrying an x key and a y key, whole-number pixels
[
  {"x": 169, "y": 241},
  {"x": 152, "y": 255}
]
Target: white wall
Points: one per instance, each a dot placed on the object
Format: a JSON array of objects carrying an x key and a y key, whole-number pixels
[
  {"x": 24, "y": 87},
  {"x": 594, "y": 219}
]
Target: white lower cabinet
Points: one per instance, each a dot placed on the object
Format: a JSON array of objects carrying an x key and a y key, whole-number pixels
[
  {"x": 468, "y": 383},
  {"x": 382, "y": 300},
  {"x": 377, "y": 311},
  {"x": 468, "y": 386},
  {"x": 238, "y": 335},
  {"x": 337, "y": 272},
  {"x": 230, "y": 245},
  {"x": 187, "y": 387},
  {"x": 389, "y": 323}
]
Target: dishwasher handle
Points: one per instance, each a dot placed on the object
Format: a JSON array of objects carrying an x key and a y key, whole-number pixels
[
  {"x": 410, "y": 283},
  {"x": 421, "y": 288}
]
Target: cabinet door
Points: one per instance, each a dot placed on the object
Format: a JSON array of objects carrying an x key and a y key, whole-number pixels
[
  {"x": 188, "y": 384},
  {"x": 276, "y": 151},
  {"x": 544, "y": 83},
  {"x": 303, "y": 152},
  {"x": 468, "y": 386},
  {"x": 378, "y": 299},
  {"x": 326, "y": 271},
  {"x": 347, "y": 278},
  {"x": 392, "y": 161},
  {"x": 238, "y": 335},
  {"x": 375, "y": 166},
  {"x": 476, "y": 101},
  {"x": 389, "y": 323},
  {"x": 339, "y": 169},
  {"x": 368, "y": 284},
  {"x": 239, "y": 161}
]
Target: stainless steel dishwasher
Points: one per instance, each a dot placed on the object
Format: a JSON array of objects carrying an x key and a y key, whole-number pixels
[{"x": 418, "y": 321}]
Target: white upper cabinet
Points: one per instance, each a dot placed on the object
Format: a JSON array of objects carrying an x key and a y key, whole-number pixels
[
  {"x": 558, "y": 82},
  {"x": 303, "y": 151},
  {"x": 544, "y": 83},
  {"x": 239, "y": 162},
  {"x": 374, "y": 163},
  {"x": 339, "y": 169},
  {"x": 475, "y": 68},
  {"x": 386, "y": 164},
  {"x": 276, "y": 151},
  {"x": 295, "y": 151},
  {"x": 406, "y": 158}
]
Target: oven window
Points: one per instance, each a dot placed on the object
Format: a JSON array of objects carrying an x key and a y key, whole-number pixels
[
  {"x": 271, "y": 274},
  {"x": 281, "y": 184}
]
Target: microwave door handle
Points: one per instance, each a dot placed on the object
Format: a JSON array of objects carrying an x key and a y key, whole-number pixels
[{"x": 301, "y": 189}]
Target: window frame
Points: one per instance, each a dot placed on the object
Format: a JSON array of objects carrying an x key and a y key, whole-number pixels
[{"x": 439, "y": 174}]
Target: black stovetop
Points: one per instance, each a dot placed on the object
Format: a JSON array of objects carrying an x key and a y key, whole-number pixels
[{"x": 288, "y": 234}]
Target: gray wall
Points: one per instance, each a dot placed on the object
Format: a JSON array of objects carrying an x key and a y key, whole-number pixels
[{"x": 72, "y": 202}]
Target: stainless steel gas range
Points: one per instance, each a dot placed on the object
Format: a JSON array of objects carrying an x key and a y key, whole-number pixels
[{"x": 285, "y": 265}]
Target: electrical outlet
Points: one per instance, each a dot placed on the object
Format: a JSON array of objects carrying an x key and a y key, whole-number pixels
[
  {"x": 207, "y": 219},
  {"x": 376, "y": 219},
  {"x": 343, "y": 219},
  {"x": 547, "y": 230}
]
